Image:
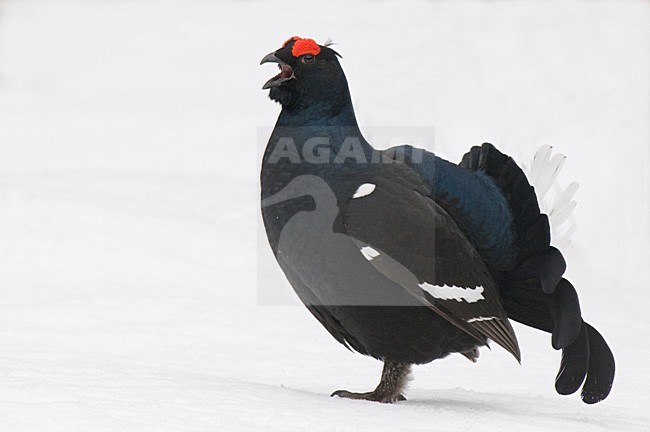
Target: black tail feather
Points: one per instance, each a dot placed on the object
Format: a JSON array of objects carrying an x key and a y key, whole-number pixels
[
  {"x": 544, "y": 269},
  {"x": 574, "y": 364},
  {"x": 600, "y": 377},
  {"x": 565, "y": 310},
  {"x": 531, "y": 226},
  {"x": 534, "y": 292},
  {"x": 588, "y": 356}
]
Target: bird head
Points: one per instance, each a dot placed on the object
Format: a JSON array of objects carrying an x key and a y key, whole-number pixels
[{"x": 309, "y": 74}]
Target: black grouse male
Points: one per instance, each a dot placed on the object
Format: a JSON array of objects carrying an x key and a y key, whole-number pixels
[{"x": 402, "y": 255}]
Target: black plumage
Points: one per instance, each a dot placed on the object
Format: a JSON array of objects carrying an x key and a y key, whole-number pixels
[{"x": 402, "y": 255}]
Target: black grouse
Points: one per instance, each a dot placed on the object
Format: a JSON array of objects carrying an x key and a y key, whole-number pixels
[{"x": 404, "y": 256}]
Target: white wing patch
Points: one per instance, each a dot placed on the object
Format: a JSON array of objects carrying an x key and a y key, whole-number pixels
[
  {"x": 445, "y": 292},
  {"x": 471, "y": 320},
  {"x": 369, "y": 253},
  {"x": 364, "y": 189}
]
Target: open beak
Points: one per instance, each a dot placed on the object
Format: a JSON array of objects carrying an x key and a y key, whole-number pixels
[{"x": 286, "y": 72}]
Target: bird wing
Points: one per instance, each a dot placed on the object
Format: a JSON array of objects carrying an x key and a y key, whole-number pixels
[
  {"x": 473, "y": 200},
  {"x": 410, "y": 239}
]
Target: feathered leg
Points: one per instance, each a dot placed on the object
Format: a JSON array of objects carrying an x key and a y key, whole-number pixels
[{"x": 393, "y": 380}]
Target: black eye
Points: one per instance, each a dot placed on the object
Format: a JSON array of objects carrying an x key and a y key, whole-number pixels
[{"x": 307, "y": 58}]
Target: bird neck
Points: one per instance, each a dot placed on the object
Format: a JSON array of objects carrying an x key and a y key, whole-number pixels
[
  {"x": 321, "y": 133},
  {"x": 333, "y": 109}
]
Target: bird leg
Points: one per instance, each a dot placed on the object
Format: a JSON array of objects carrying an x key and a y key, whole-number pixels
[{"x": 393, "y": 380}]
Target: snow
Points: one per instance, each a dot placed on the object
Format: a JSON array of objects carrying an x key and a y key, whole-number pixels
[{"x": 136, "y": 292}]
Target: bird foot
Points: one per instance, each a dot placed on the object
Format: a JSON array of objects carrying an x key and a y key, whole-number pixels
[
  {"x": 393, "y": 380},
  {"x": 370, "y": 396}
]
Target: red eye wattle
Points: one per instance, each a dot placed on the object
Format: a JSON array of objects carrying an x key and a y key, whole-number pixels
[{"x": 305, "y": 46}]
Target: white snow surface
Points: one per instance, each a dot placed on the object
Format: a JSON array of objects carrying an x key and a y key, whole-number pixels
[{"x": 130, "y": 134}]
